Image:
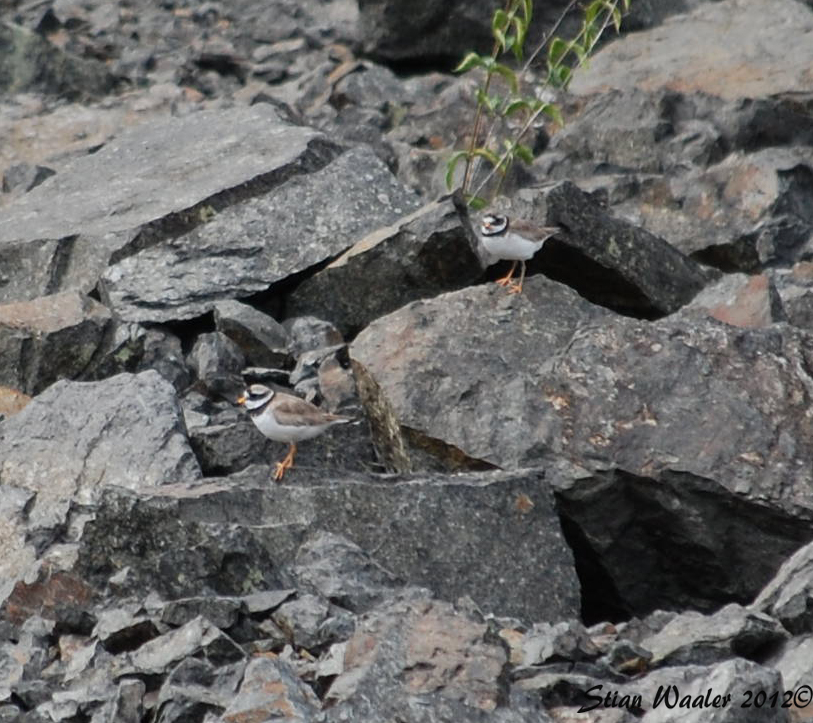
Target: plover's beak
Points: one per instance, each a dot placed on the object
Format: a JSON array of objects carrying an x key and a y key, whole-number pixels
[{"x": 242, "y": 399}]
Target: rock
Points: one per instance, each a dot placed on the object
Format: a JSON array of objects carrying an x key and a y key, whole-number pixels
[
  {"x": 308, "y": 333},
  {"x": 77, "y": 437},
  {"x": 793, "y": 661},
  {"x": 415, "y": 649},
  {"x": 741, "y": 300},
  {"x": 424, "y": 254},
  {"x": 32, "y": 64},
  {"x": 11, "y": 402},
  {"x": 105, "y": 214},
  {"x": 563, "y": 641},
  {"x": 229, "y": 255},
  {"x": 23, "y": 177},
  {"x": 614, "y": 263},
  {"x": 310, "y": 622},
  {"x": 339, "y": 570},
  {"x": 789, "y": 595},
  {"x": 262, "y": 339},
  {"x": 795, "y": 287},
  {"x": 699, "y": 639},
  {"x": 672, "y": 54},
  {"x": 214, "y": 357},
  {"x": 268, "y": 687},
  {"x": 50, "y": 338},
  {"x": 407, "y": 523}
]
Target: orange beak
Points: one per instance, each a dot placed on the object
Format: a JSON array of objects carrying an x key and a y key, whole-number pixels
[{"x": 242, "y": 399}]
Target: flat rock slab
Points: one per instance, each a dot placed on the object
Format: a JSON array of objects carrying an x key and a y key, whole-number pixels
[
  {"x": 767, "y": 51},
  {"x": 613, "y": 262},
  {"x": 49, "y": 338},
  {"x": 67, "y": 228},
  {"x": 505, "y": 380},
  {"x": 446, "y": 533},
  {"x": 424, "y": 254},
  {"x": 249, "y": 246}
]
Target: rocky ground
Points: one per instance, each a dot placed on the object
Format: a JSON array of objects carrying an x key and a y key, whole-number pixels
[{"x": 589, "y": 502}]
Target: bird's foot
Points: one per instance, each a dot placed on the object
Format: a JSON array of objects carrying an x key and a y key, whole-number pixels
[
  {"x": 504, "y": 281},
  {"x": 515, "y": 288},
  {"x": 285, "y": 465}
]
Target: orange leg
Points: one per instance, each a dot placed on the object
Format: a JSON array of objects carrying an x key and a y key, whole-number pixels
[
  {"x": 517, "y": 288},
  {"x": 506, "y": 280},
  {"x": 286, "y": 463}
]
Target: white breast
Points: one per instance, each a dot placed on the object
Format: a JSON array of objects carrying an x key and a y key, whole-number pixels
[
  {"x": 268, "y": 425},
  {"x": 511, "y": 246}
]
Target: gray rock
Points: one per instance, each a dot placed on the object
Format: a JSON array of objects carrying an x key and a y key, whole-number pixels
[
  {"x": 793, "y": 661},
  {"x": 78, "y": 437},
  {"x": 741, "y": 300},
  {"x": 309, "y": 334},
  {"x": 215, "y": 356},
  {"x": 789, "y": 595},
  {"x": 23, "y": 177},
  {"x": 32, "y": 64},
  {"x": 50, "y": 338},
  {"x": 562, "y": 641},
  {"x": 613, "y": 263},
  {"x": 268, "y": 687},
  {"x": 220, "y": 611},
  {"x": 429, "y": 531},
  {"x": 340, "y": 571},
  {"x": 426, "y": 253},
  {"x": 310, "y": 622},
  {"x": 693, "y": 638},
  {"x": 413, "y": 652},
  {"x": 263, "y": 340},
  {"x": 310, "y": 218},
  {"x": 104, "y": 214},
  {"x": 548, "y": 374}
]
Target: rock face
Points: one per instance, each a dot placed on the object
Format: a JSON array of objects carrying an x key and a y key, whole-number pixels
[
  {"x": 248, "y": 247},
  {"x": 587, "y": 501}
]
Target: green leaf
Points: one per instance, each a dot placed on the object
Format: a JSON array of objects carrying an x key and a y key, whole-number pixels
[
  {"x": 451, "y": 165},
  {"x": 524, "y": 153},
  {"x": 552, "y": 111},
  {"x": 500, "y": 20},
  {"x": 488, "y": 154},
  {"x": 478, "y": 203},
  {"x": 528, "y": 11},
  {"x": 517, "y": 105},
  {"x": 472, "y": 60},
  {"x": 508, "y": 74},
  {"x": 556, "y": 51},
  {"x": 592, "y": 11},
  {"x": 504, "y": 43},
  {"x": 492, "y": 102}
]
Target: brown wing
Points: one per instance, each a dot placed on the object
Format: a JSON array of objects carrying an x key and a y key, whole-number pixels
[
  {"x": 295, "y": 412},
  {"x": 532, "y": 231}
]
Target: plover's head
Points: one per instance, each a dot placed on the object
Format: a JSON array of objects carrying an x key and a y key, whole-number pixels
[
  {"x": 256, "y": 396},
  {"x": 493, "y": 224}
]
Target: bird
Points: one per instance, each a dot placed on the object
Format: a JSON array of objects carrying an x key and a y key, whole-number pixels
[
  {"x": 516, "y": 241},
  {"x": 286, "y": 418}
]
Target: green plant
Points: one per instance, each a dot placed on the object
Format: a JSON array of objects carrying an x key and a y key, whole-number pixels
[{"x": 510, "y": 26}]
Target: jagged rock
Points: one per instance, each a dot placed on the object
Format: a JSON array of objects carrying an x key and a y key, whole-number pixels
[
  {"x": 11, "y": 402},
  {"x": 428, "y": 531},
  {"x": 755, "y": 64},
  {"x": 310, "y": 622},
  {"x": 31, "y": 64},
  {"x": 263, "y": 340},
  {"x": 308, "y": 333},
  {"x": 793, "y": 661},
  {"x": 77, "y": 437},
  {"x": 611, "y": 262},
  {"x": 562, "y": 641},
  {"x": 789, "y": 595},
  {"x": 50, "y": 338},
  {"x": 268, "y": 687},
  {"x": 339, "y": 570},
  {"x": 214, "y": 357},
  {"x": 23, "y": 177},
  {"x": 741, "y": 300},
  {"x": 428, "y": 252},
  {"x": 311, "y": 217},
  {"x": 415, "y": 649},
  {"x": 222, "y": 612},
  {"x": 104, "y": 214},
  {"x": 693, "y": 638},
  {"x": 795, "y": 287},
  {"x": 612, "y": 393}
]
